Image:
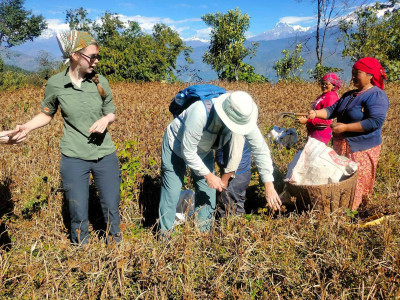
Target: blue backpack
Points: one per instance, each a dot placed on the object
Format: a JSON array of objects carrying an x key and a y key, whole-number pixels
[{"x": 204, "y": 92}]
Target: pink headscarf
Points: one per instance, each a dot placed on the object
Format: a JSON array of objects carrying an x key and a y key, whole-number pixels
[
  {"x": 372, "y": 66},
  {"x": 334, "y": 79}
]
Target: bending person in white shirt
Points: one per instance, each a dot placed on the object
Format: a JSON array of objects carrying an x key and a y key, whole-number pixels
[{"x": 188, "y": 142}]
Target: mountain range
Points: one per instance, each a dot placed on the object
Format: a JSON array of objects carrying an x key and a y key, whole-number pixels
[
  {"x": 271, "y": 43},
  {"x": 280, "y": 31},
  {"x": 270, "y": 46}
]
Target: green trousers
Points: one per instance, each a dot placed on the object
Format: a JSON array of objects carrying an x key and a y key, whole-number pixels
[{"x": 173, "y": 169}]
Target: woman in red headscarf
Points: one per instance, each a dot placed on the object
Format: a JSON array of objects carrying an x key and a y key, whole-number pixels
[
  {"x": 319, "y": 128},
  {"x": 360, "y": 116}
]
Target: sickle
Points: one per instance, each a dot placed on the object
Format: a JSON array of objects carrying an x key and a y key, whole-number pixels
[{"x": 290, "y": 114}]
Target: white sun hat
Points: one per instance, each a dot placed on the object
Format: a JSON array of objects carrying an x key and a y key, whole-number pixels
[{"x": 238, "y": 111}]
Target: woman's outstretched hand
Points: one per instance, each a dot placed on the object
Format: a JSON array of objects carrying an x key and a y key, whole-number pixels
[
  {"x": 5, "y": 137},
  {"x": 18, "y": 135}
]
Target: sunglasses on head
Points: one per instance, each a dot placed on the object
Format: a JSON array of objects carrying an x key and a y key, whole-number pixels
[{"x": 92, "y": 58}]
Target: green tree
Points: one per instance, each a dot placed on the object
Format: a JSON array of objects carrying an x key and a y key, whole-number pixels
[
  {"x": 371, "y": 35},
  {"x": 18, "y": 25},
  {"x": 142, "y": 57},
  {"x": 288, "y": 68},
  {"x": 227, "y": 51},
  {"x": 319, "y": 71},
  {"x": 128, "y": 54},
  {"x": 109, "y": 27},
  {"x": 245, "y": 73},
  {"x": 169, "y": 46},
  {"x": 78, "y": 20},
  {"x": 328, "y": 15}
]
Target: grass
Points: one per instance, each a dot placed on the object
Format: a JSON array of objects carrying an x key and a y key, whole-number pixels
[{"x": 256, "y": 256}]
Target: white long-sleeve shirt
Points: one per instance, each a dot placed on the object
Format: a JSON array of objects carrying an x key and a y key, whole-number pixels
[{"x": 190, "y": 140}]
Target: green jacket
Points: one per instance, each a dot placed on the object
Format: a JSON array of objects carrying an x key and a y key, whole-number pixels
[{"x": 80, "y": 109}]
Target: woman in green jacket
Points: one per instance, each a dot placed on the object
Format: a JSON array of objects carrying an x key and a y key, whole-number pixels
[{"x": 85, "y": 100}]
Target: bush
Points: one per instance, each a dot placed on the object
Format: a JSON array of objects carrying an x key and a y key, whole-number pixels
[
  {"x": 246, "y": 73},
  {"x": 12, "y": 80},
  {"x": 1, "y": 65},
  {"x": 321, "y": 70}
]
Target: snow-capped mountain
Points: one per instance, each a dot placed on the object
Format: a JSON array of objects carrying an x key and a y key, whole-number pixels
[
  {"x": 271, "y": 44},
  {"x": 281, "y": 31},
  {"x": 196, "y": 42}
]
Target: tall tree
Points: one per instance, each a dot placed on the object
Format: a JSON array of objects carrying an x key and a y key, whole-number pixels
[
  {"x": 288, "y": 68},
  {"x": 227, "y": 51},
  {"x": 128, "y": 54},
  {"x": 18, "y": 25},
  {"x": 328, "y": 14},
  {"x": 77, "y": 19},
  {"x": 108, "y": 27},
  {"x": 372, "y": 35},
  {"x": 142, "y": 57}
]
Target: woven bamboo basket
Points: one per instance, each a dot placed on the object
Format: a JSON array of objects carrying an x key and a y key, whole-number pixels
[{"x": 326, "y": 198}]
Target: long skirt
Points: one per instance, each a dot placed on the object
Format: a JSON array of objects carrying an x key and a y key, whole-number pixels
[{"x": 367, "y": 161}]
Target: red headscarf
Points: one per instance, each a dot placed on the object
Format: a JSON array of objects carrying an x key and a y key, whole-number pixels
[
  {"x": 372, "y": 66},
  {"x": 334, "y": 79}
]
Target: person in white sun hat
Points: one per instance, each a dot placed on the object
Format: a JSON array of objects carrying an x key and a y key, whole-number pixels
[{"x": 189, "y": 140}]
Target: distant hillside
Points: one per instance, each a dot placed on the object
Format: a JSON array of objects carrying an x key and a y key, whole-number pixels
[
  {"x": 25, "y": 56},
  {"x": 271, "y": 51},
  {"x": 19, "y": 59},
  {"x": 33, "y": 48}
]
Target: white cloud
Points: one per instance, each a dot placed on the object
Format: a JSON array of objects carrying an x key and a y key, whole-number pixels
[
  {"x": 200, "y": 35},
  {"x": 180, "y": 29},
  {"x": 203, "y": 33},
  {"x": 300, "y": 28},
  {"x": 146, "y": 24},
  {"x": 185, "y": 5},
  {"x": 188, "y": 20},
  {"x": 54, "y": 26},
  {"x": 295, "y": 20},
  {"x": 249, "y": 34}
]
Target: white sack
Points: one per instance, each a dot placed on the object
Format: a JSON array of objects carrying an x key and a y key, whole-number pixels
[
  {"x": 185, "y": 206},
  {"x": 318, "y": 164}
]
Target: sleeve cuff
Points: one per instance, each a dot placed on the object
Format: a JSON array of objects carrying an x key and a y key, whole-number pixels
[
  {"x": 267, "y": 178},
  {"x": 202, "y": 172}
]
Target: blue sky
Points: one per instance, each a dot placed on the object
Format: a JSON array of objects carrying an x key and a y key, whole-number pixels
[{"x": 182, "y": 16}]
